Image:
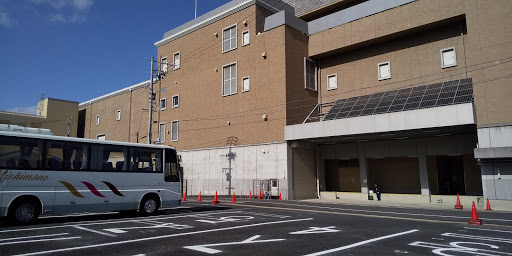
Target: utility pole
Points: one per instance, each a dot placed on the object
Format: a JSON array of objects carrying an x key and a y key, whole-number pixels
[
  {"x": 68, "y": 121},
  {"x": 151, "y": 98}
]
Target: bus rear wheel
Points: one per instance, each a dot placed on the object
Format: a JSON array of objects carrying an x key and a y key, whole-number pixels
[
  {"x": 149, "y": 205},
  {"x": 24, "y": 211}
]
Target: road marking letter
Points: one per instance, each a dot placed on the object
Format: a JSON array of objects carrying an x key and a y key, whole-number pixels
[{"x": 251, "y": 240}]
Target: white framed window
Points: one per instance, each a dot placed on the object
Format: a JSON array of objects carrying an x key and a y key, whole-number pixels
[
  {"x": 118, "y": 115},
  {"x": 246, "y": 84},
  {"x": 384, "y": 70},
  {"x": 161, "y": 133},
  {"x": 101, "y": 137},
  {"x": 163, "y": 104},
  {"x": 332, "y": 82},
  {"x": 310, "y": 74},
  {"x": 174, "y": 130},
  {"x": 448, "y": 57},
  {"x": 229, "y": 38},
  {"x": 229, "y": 79},
  {"x": 176, "y": 101},
  {"x": 176, "y": 61},
  {"x": 246, "y": 38},
  {"x": 98, "y": 120},
  {"x": 164, "y": 64}
]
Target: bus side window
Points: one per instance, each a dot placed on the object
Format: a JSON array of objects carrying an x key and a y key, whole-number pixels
[
  {"x": 20, "y": 153},
  {"x": 146, "y": 160}
]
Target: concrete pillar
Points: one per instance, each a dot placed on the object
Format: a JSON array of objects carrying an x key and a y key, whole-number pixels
[
  {"x": 363, "y": 168},
  {"x": 422, "y": 159}
]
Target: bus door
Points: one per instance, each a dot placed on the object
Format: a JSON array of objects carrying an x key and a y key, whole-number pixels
[{"x": 172, "y": 176}]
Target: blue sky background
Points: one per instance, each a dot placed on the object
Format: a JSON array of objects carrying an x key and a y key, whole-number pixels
[{"x": 81, "y": 49}]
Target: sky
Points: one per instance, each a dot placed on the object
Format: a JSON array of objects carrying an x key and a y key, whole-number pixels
[{"x": 78, "y": 50}]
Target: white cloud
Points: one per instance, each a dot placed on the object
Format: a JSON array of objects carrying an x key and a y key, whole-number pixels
[
  {"x": 6, "y": 20},
  {"x": 77, "y": 5},
  {"x": 68, "y": 11},
  {"x": 61, "y": 18},
  {"x": 32, "y": 110},
  {"x": 82, "y": 5}
]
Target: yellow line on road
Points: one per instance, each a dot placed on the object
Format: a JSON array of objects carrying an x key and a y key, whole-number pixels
[{"x": 354, "y": 214}]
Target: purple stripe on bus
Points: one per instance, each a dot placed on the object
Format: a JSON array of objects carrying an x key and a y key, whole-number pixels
[{"x": 92, "y": 189}]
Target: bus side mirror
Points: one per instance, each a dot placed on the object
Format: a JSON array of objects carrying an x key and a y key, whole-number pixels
[{"x": 179, "y": 158}]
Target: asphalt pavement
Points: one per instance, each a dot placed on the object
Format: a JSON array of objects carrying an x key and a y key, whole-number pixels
[{"x": 263, "y": 227}]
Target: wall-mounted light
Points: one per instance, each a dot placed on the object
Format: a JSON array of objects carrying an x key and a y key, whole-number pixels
[
  {"x": 264, "y": 117},
  {"x": 264, "y": 55},
  {"x": 245, "y": 22},
  {"x": 229, "y": 123},
  {"x": 216, "y": 34}
]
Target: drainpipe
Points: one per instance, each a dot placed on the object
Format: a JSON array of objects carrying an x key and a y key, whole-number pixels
[{"x": 317, "y": 172}]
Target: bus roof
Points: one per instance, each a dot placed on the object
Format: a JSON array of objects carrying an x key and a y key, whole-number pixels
[{"x": 73, "y": 139}]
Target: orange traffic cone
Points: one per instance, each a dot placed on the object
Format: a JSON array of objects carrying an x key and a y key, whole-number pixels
[
  {"x": 234, "y": 200},
  {"x": 215, "y": 201},
  {"x": 250, "y": 196},
  {"x": 280, "y": 196},
  {"x": 488, "y": 205},
  {"x": 199, "y": 197},
  {"x": 474, "y": 217},
  {"x": 184, "y": 197},
  {"x": 458, "y": 205},
  {"x": 259, "y": 196}
]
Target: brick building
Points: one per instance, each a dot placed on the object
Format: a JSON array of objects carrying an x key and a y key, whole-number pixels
[{"x": 306, "y": 98}]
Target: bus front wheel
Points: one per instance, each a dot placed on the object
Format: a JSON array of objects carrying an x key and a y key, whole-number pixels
[
  {"x": 149, "y": 205},
  {"x": 24, "y": 211}
]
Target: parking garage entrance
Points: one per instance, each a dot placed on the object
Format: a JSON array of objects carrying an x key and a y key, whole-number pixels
[
  {"x": 399, "y": 175},
  {"x": 342, "y": 175}
]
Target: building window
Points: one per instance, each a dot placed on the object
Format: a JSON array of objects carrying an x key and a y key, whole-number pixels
[
  {"x": 310, "y": 74},
  {"x": 246, "y": 84},
  {"x": 384, "y": 70},
  {"x": 164, "y": 90},
  {"x": 448, "y": 57},
  {"x": 164, "y": 64},
  {"x": 174, "y": 131},
  {"x": 161, "y": 133},
  {"x": 101, "y": 137},
  {"x": 229, "y": 39},
  {"x": 229, "y": 79},
  {"x": 175, "y": 101},
  {"x": 332, "y": 82},
  {"x": 246, "y": 38},
  {"x": 118, "y": 115},
  {"x": 97, "y": 120},
  {"x": 176, "y": 61},
  {"x": 163, "y": 104}
]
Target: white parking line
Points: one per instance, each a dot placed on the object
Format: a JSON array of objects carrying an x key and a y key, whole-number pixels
[
  {"x": 492, "y": 230},
  {"x": 25, "y": 237},
  {"x": 93, "y": 231},
  {"x": 91, "y": 223},
  {"x": 361, "y": 243},
  {"x": 387, "y": 212},
  {"x": 40, "y": 240},
  {"x": 160, "y": 237},
  {"x": 484, "y": 238}
]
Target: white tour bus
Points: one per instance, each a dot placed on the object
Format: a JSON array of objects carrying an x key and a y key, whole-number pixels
[{"x": 45, "y": 174}]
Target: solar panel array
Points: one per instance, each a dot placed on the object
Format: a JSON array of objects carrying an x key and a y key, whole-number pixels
[{"x": 426, "y": 96}]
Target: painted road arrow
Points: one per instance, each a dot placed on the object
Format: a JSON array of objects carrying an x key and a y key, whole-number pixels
[{"x": 251, "y": 240}]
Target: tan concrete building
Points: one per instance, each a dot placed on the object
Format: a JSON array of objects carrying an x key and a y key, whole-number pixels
[
  {"x": 330, "y": 98},
  {"x": 60, "y": 116}
]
